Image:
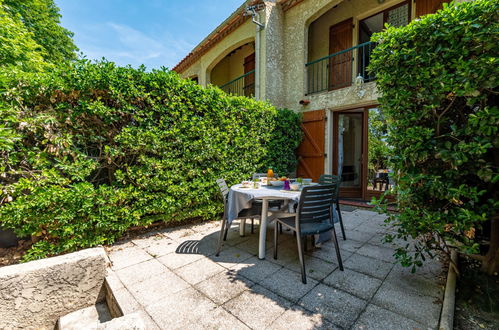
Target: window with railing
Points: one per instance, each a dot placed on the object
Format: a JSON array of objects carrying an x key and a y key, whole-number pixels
[
  {"x": 337, "y": 70},
  {"x": 243, "y": 85}
]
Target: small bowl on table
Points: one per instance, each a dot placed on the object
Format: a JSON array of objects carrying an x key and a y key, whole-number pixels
[
  {"x": 294, "y": 186},
  {"x": 306, "y": 181},
  {"x": 277, "y": 183}
]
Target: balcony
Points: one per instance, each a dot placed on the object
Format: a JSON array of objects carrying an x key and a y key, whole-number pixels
[
  {"x": 338, "y": 70},
  {"x": 243, "y": 85}
]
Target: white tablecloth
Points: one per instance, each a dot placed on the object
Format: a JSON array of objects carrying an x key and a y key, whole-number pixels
[{"x": 242, "y": 198}]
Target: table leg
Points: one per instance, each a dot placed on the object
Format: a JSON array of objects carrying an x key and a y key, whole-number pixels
[
  {"x": 263, "y": 229},
  {"x": 242, "y": 227}
]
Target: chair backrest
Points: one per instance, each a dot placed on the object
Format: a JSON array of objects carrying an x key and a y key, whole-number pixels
[
  {"x": 262, "y": 175},
  {"x": 316, "y": 204},
  {"x": 331, "y": 179},
  {"x": 224, "y": 190}
]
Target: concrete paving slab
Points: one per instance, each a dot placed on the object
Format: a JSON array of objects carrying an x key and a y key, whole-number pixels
[
  {"x": 157, "y": 288},
  {"x": 288, "y": 284},
  {"x": 187, "y": 309},
  {"x": 127, "y": 256},
  {"x": 403, "y": 278},
  {"x": 359, "y": 236},
  {"x": 224, "y": 286},
  {"x": 254, "y": 269},
  {"x": 418, "y": 307},
  {"x": 355, "y": 283},
  {"x": 377, "y": 252},
  {"x": 176, "y": 260},
  {"x": 369, "y": 266},
  {"x": 230, "y": 256},
  {"x": 327, "y": 252},
  {"x": 160, "y": 247},
  {"x": 140, "y": 272},
  {"x": 336, "y": 306},
  {"x": 299, "y": 318},
  {"x": 258, "y": 307},
  {"x": 315, "y": 268},
  {"x": 199, "y": 270},
  {"x": 374, "y": 318}
]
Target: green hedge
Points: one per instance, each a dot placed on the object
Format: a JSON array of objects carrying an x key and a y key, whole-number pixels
[
  {"x": 94, "y": 149},
  {"x": 439, "y": 77}
]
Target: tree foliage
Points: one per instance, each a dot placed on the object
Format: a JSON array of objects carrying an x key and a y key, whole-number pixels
[
  {"x": 42, "y": 19},
  {"x": 439, "y": 77},
  {"x": 98, "y": 148}
]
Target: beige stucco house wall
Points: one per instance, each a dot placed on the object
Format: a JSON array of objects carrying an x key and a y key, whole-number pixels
[{"x": 295, "y": 32}]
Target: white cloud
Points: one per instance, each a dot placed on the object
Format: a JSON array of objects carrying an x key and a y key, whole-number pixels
[{"x": 131, "y": 46}]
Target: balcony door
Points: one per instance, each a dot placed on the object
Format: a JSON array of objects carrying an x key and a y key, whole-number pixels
[
  {"x": 340, "y": 65},
  {"x": 349, "y": 148}
]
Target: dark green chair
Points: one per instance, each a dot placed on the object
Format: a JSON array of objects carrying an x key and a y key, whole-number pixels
[
  {"x": 336, "y": 180},
  {"x": 313, "y": 216}
]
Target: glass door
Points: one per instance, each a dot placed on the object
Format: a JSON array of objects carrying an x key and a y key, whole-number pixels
[{"x": 348, "y": 163}]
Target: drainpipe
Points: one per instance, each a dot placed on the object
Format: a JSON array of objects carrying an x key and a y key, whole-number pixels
[{"x": 252, "y": 10}]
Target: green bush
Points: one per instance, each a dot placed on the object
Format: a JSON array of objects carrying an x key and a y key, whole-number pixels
[
  {"x": 98, "y": 148},
  {"x": 439, "y": 78}
]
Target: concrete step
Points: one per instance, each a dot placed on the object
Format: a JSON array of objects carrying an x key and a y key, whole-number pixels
[{"x": 86, "y": 318}]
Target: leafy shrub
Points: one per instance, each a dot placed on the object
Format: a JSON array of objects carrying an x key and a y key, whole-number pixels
[
  {"x": 439, "y": 79},
  {"x": 99, "y": 148}
]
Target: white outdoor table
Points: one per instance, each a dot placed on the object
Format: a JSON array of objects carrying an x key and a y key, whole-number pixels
[{"x": 241, "y": 198}]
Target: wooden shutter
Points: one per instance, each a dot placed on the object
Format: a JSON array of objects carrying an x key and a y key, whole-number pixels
[
  {"x": 424, "y": 7},
  {"x": 340, "y": 66},
  {"x": 249, "y": 80},
  {"x": 311, "y": 150}
]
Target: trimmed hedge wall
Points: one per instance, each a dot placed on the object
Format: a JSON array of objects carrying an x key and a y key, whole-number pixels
[
  {"x": 439, "y": 78},
  {"x": 94, "y": 149}
]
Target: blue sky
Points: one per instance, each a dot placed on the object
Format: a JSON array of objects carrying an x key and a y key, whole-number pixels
[{"x": 151, "y": 32}]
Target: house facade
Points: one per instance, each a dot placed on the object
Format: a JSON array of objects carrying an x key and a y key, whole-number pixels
[{"x": 311, "y": 56}]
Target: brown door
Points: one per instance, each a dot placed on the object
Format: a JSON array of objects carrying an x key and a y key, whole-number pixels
[
  {"x": 349, "y": 148},
  {"x": 249, "y": 80},
  {"x": 340, "y": 66},
  {"x": 311, "y": 150},
  {"x": 424, "y": 7}
]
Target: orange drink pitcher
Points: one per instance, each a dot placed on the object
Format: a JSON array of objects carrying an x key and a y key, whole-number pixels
[{"x": 270, "y": 175}]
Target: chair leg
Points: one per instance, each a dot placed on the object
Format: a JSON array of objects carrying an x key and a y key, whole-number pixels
[
  {"x": 252, "y": 225},
  {"x": 223, "y": 236},
  {"x": 341, "y": 220},
  {"x": 280, "y": 228},
  {"x": 302, "y": 261},
  {"x": 337, "y": 248},
  {"x": 226, "y": 231},
  {"x": 276, "y": 236}
]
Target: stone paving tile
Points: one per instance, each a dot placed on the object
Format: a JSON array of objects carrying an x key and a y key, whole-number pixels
[
  {"x": 327, "y": 252},
  {"x": 369, "y": 266},
  {"x": 176, "y": 260},
  {"x": 160, "y": 247},
  {"x": 288, "y": 284},
  {"x": 358, "y": 284},
  {"x": 299, "y": 318},
  {"x": 189, "y": 309},
  {"x": 403, "y": 278},
  {"x": 140, "y": 272},
  {"x": 374, "y": 318},
  {"x": 255, "y": 269},
  {"x": 127, "y": 256},
  {"x": 349, "y": 245},
  {"x": 157, "y": 288},
  {"x": 359, "y": 236},
  {"x": 179, "y": 233},
  {"x": 424, "y": 309},
  {"x": 224, "y": 286},
  {"x": 199, "y": 270},
  {"x": 315, "y": 268},
  {"x": 377, "y": 252},
  {"x": 257, "y": 307},
  {"x": 337, "y": 306},
  {"x": 230, "y": 256}
]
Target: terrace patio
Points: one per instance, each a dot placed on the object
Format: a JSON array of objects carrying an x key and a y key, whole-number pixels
[{"x": 172, "y": 277}]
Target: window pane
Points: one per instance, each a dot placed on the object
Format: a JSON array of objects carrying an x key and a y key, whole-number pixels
[{"x": 399, "y": 16}]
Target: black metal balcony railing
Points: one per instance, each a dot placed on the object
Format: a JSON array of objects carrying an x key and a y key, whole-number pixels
[
  {"x": 243, "y": 85},
  {"x": 337, "y": 70}
]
